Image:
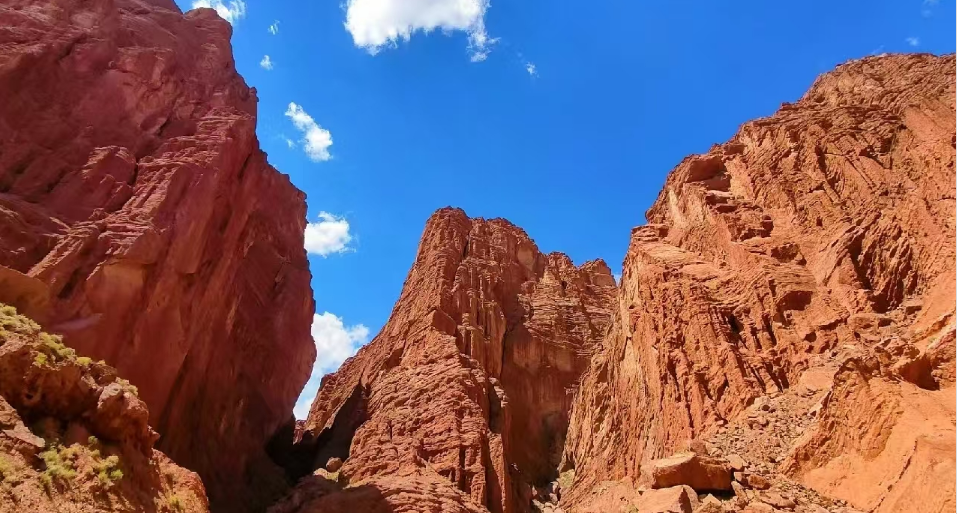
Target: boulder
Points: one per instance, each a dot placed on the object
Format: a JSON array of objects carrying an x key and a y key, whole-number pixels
[
  {"x": 710, "y": 504},
  {"x": 333, "y": 464},
  {"x": 757, "y": 481},
  {"x": 736, "y": 463},
  {"x": 758, "y": 507},
  {"x": 672, "y": 499},
  {"x": 700, "y": 472},
  {"x": 777, "y": 500}
]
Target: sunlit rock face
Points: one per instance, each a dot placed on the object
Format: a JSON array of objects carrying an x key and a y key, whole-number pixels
[
  {"x": 811, "y": 257},
  {"x": 470, "y": 382}
]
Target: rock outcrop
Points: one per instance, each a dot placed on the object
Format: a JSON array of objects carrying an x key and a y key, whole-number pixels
[
  {"x": 469, "y": 384},
  {"x": 139, "y": 218},
  {"x": 791, "y": 301},
  {"x": 74, "y": 437}
]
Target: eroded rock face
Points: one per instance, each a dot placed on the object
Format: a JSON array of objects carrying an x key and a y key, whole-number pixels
[
  {"x": 470, "y": 382},
  {"x": 809, "y": 260},
  {"x": 139, "y": 218},
  {"x": 75, "y": 437}
]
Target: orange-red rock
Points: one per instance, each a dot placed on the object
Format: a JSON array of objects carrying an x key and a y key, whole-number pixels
[
  {"x": 680, "y": 498},
  {"x": 139, "y": 218},
  {"x": 74, "y": 437},
  {"x": 470, "y": 381},
  {"x": 810, "y": 257},
  {"x": 701, "y": 472}
]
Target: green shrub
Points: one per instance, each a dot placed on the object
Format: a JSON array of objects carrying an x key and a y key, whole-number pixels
[
  {"x": 84, "y": 361},
  {"x": 174, "y": 503},
  {"x": 108, "y": 470},
  {"x": 10, "y": 320},
  {"x": 59, "y": 465},
  {"x": 41, "y": 359},
  {"x": 127, "y": 386},
  {"x": 566, "y": 479},
  {"x": 54, "y": 347},
  {"x": 7, "y": 471}
]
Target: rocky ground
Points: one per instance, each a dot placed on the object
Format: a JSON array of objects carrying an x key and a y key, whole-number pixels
[{"x": 74, "y": 436}]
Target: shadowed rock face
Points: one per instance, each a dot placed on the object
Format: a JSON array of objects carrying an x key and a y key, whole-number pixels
[
  {"x": 139, "y": 218},
  {"x": 471, "y": 380},
  {"x": 812, "y": 256}
]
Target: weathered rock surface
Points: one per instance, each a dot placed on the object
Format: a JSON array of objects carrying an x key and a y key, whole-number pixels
[
  {"x": 805, "y": 265},
  {"x": 701, "y": 472},
  {"x": 89, "y": 446},
  {"x": 470, "y": 382},
  {"x": 139, "y": 218},
  {"x": 321, "y": 492},
  {"x": 679, "y": 498}
]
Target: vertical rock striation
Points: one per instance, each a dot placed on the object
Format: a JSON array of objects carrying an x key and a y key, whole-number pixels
[
  {"x": 468, "y": 385},
  {"x": 813, "y": 254},
  {"x": 139, "y": 218}
]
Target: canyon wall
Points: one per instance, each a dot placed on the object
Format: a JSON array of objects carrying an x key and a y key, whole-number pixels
[
  {"x": 140, "y": 219},
  {"x": 788, "y": 310},
  {"x": 806, "y": 266},
  {"x": 468, "y": 386}
]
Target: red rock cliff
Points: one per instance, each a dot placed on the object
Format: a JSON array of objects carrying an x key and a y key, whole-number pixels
[
  {"x": 139, "y": 218},
  {"x": 461, "y": 401},
  {"x": 792, "y": 300}
]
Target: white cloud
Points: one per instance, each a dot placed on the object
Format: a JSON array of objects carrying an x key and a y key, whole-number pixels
[
  {"x": 329, "y": 235},
  {"x": 531, "y": 69},
  {"x": 378, "y": 23},
  {"x": 289, "y": 142},
  {"x": 315, "y": 139},
  {"x": 231, "y": 10},
  {"x": 617, "y": 277},
  {"x": 266, "y": 63},
  {"x": 335, "y": 342},
  {"x": 913, "y": 41},
  {"x": 274, "y": 28}
]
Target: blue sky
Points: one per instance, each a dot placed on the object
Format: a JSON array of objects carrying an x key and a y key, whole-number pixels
[{"x": 563, "y": 116}]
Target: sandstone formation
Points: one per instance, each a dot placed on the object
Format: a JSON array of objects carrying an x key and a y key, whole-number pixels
[
  {"x": 467, "y": 388},
  {"x": 783, "y": 337},
  {"x": 791, "y": 301},
  {"x": 139, "y": 218},
  {"x": 75, "y": 437}
]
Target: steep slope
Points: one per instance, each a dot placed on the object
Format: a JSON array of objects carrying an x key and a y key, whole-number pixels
[
  {"x": 467, "y": 387},
  {"x": 139, "y": 218},
  {"x": 792, "y": 300},
  {"x": 88, "y": 446}
]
